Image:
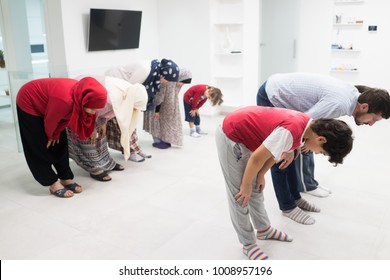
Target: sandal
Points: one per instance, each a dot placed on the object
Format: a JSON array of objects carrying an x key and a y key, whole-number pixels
[
  {"x": 118, "y": 167},
  {"x": 61, "y": 192},
  {"x": 100, "y": 177},
  {"x": 74, "y": 187}
]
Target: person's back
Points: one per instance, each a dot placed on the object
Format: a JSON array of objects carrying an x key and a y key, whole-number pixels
[
  {"x": 136, "y": 72},
  {"x": 319, "y": 96}
]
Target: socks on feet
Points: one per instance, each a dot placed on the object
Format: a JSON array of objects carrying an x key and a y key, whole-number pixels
[
  {"x": 273, "y": 233},
  {"x": 200, "y": 131},
  {"x": 305, "y": 205},
  {"x": 144, "y": 155},
  {"x": 254, "y": 252},
  {"x": 299, "y": 216},
  {"x": 136, "y": 158}
]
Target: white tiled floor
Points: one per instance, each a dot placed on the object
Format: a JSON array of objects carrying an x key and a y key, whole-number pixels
[{"x": 173, "y": 207}]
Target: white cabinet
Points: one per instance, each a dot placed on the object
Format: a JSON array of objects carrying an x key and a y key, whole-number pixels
[
  {"x": 230, "y": 49},
  {"x": 347, "y": 31}
]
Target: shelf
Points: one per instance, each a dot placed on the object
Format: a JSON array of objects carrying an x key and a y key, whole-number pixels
[
  {"x": 229, "y": 53},
  {"x": 348, "y": 1},
  {"x": 345, "y": 50},
  {"x": 344, "y": 70},
  {"x": 347, "y": 24},
  {"x": 228, "y": 23}
]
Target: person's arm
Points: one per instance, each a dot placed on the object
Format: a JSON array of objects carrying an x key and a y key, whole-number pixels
[
  {"x": 201, "y": 103},
  {"x": 286, "y": 159},
  {"x": 325, "y": 108},
  {"x": 54, "y": 122},
  {"x": 195, "y": 100},
  {"x": 259, "y": 160},
  {"x": 260, "y": 181}
]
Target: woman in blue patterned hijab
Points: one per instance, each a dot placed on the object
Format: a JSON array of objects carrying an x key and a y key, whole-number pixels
[{"x": 166, "y": 69}]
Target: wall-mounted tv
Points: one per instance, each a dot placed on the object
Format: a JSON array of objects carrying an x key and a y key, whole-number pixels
[{"x": 114, "y": 29}]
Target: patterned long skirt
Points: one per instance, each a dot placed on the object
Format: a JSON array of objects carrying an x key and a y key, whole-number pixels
[
  {"x": 114, "y": 138},
  {"x": 93, "y": 158}
]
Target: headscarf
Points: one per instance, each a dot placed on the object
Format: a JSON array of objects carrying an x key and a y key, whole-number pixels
[
  {"x": 87, "y": 93},
  {"x": 166, "y": 69},
  {"x": 128, "y": 100},
  {"x": 185, "y": 76}
]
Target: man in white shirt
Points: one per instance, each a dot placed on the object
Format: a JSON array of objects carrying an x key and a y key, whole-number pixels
[{"x": 319, "y": 96}]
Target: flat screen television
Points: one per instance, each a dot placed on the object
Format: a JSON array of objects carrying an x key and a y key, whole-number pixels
[{"x": 114, "y": 29}]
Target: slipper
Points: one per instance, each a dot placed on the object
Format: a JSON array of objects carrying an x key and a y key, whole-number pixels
[
  {"x": 118, "y": 167},
  {"x": 61, "y": 192},
  {"x": 161, "y": 145},
  {"x": 74, "y": 187},
  {"x": 100, "y": 177}
]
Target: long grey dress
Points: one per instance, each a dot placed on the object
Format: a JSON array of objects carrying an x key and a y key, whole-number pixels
[{"x": 168, "y": 127}]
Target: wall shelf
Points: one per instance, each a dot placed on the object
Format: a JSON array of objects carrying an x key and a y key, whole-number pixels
[
  {"x": 228, "y": 23},
  {"x": 347, "y": 24},
  {"x": 229, "y": 53},
  {"x": 227, "y": 57},
  {"x": 348, "y": 1},
  {"x": 345, "y": 50},
  {"x": 354, "y": 70}
]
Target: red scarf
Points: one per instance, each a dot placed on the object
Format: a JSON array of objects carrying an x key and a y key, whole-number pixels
[{"x": 87, "y": 93}]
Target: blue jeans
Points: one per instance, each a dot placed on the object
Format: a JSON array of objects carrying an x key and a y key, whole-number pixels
[
  {"x": 285, "y": 181},
  {"x": 262, "y": 98},
  {"x": 188, "y": 118},
  {"x": 305, "y": 172}
]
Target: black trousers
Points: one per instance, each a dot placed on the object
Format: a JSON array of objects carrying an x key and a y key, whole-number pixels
[{"x": 40, "y": 159}]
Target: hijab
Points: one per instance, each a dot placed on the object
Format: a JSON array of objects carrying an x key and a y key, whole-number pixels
[
  {"x": 166, "y": 69},
  {"x": 86, "y": 93},
  {"x": 128, "y": 100}
]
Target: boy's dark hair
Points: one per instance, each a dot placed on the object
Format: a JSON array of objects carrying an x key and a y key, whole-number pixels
[
  {"x": 215, "y": 95},
  {"x": 378, "y": 100},
  {"x": 338, "y": 136}
]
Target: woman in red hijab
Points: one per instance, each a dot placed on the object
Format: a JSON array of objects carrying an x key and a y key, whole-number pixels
[{"x": 45, "y": 107}]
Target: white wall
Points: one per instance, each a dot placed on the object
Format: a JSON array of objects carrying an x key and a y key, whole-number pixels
[
  {"x": 184, "y": 30},
  {"x": 316, "y": 35},
  {"x": 75, "y": 15},
  {"x": 174, "y": 29}
]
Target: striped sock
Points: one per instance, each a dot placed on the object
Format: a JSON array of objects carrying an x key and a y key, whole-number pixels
[
  {"x": 299, "y": 216},
  {"x": 273, "y": 233},
  {"x": 304, "y": 205},
  {"x": 254, "y": 252}
]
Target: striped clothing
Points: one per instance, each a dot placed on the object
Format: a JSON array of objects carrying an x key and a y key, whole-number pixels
[{"x": 318, "y": 96}]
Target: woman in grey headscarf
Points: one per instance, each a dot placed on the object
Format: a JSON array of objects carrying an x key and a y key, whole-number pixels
[{"x": 151, "y": 75}]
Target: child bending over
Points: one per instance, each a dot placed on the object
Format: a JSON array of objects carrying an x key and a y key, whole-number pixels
[
  {"x": 249, "y": 142},
  {"x": 194, "y": 98}
]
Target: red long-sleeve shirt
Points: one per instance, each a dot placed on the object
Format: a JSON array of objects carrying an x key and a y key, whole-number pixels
[
  {"x": 193, "y": 96},
  {"x": 51, "y": 99}
]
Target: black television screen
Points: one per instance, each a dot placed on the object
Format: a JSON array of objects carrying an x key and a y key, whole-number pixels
[{"x": 114, "y": 29}]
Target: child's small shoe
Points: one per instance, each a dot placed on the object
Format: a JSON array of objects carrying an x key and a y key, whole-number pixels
[
  {"x": 136, "y": 158},
  {"x": 200, "y": 131},
  {"x": 194, "y": 134}
]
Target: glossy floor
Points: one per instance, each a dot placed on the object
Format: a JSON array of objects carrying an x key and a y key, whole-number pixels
[{"x": 173, "y": 207}]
